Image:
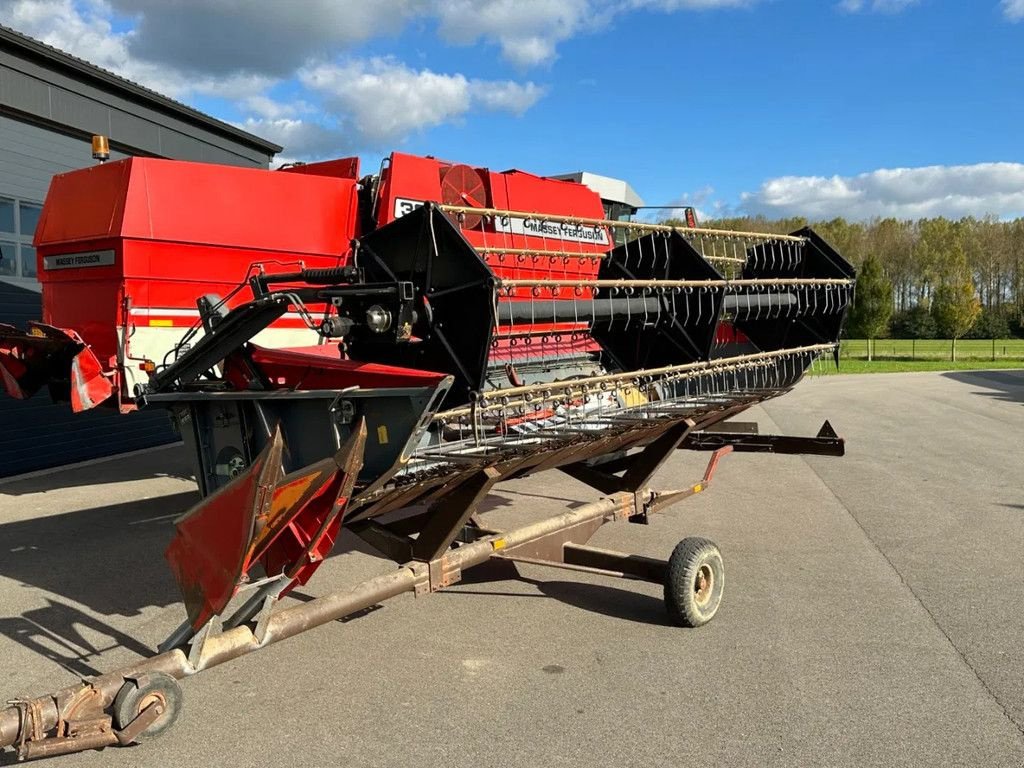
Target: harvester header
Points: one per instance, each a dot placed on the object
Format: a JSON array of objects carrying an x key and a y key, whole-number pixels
[{"x": 376, "y": 353}]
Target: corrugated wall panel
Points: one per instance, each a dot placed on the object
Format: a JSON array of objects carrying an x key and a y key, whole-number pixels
[{"x": 30, "y": 156}]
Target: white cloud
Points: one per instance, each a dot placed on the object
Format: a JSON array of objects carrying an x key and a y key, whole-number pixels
[
  {"x": 271, "y": 37},
  {"x": 1013, "y": 9},
  {"x": 382, "y": 100},
  {"x": 302, "y": 139},
  {"x": 526, "y": 30},
  {"x": 529, "y": 31},
  {"x": 877, "y": 6},
  {"x": 505, "y": 95},
  {"x": 938, "y": 190}
]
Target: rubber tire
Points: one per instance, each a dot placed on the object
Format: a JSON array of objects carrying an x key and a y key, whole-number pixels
[
  {"x": 130, "y": 699},
  {"x": 681, "y": 599}
]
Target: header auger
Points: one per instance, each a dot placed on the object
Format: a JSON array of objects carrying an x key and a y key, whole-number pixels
[{"x": 376, "y": 354}]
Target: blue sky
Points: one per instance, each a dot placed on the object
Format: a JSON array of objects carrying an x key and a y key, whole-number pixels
[{"x": 827, "y": 107}]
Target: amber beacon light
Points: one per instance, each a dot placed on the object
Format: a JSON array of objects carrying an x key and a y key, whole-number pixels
[{"x": 100, "y": 148}]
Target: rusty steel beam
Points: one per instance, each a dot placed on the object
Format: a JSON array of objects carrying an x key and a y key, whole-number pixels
[{"x": 449, "y": 515}]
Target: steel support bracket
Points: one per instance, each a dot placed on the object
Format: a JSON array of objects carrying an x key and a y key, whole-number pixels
[
  {"x": 421, "y": 573},
  {"x": 638, "y": 469},
  {"x": 212, "y": 628},
  {"x": 433, "y": 576},
  {"x": 449, "y": 514},
  {"x": 825, "y": 443}
]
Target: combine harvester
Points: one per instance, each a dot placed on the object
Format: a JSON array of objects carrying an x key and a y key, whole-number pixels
[{"x": 376, "y": 354}]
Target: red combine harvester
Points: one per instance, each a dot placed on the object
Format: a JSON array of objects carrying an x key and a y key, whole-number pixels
[{"x": 376, "y": 354}]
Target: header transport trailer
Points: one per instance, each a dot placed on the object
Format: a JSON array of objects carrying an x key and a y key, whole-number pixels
[{"x": 377, "y": 353}]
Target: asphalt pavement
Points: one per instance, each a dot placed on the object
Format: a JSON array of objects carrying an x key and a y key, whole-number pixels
[{"x": 873, "y": 612}]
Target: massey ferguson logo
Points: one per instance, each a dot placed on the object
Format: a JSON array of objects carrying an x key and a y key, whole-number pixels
[
  {"x": 556, "y": 230},
  {"x": 553, "y": 230},
  {"x": 77, "y": 260}
]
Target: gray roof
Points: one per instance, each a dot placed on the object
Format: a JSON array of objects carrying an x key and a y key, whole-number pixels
[
  {"x": 83, "y": 69},
  {"x": 614, "y": 190}
]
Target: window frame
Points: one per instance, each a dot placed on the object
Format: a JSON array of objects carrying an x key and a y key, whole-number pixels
[
  {"x": 14, "y": 216},
  {"x": 22, "y": 241}
]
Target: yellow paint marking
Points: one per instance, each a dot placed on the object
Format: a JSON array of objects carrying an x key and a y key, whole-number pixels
[
  {"x": 382, "y": 434},
  {"x": 498, "y": 544},
  {"x": 698, "y": 488},
  {"x": 159, "y": 323}
]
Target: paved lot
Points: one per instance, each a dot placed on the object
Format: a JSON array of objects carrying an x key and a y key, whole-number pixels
[{"x": 873, "y": 614}]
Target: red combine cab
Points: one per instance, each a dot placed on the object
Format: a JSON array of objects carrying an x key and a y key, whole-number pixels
[{"x": 376, "y": 353}]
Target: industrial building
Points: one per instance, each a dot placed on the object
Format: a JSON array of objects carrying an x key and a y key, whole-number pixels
[{"x": 51, "y": 104}]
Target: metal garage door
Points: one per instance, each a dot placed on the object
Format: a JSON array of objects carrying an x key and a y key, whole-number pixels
[{"x": 36, "y": 434}]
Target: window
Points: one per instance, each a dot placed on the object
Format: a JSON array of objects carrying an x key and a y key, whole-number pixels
[
  {"x": 8, "y": 258},
  {"x": 7, "y": 216},
  {"x": 28, "y": 261},
  {"x": 18, "y": 222},
  {"x": 28, "y": 218}
]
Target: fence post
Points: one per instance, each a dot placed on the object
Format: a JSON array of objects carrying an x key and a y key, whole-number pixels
[{"x": 993, "y": 350}]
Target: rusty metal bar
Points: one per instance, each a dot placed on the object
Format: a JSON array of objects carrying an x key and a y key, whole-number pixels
[
  {"x": 449, "y": 514},
  {"x": 633, "y": 225},
  {"x": 724, "y": 283},
  {"x": 639, "y": 567}
]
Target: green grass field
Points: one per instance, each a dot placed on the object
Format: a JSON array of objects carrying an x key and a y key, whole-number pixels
[{"x": 901, "y": 355}]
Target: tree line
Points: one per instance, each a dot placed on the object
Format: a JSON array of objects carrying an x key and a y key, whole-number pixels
[{"x": 930, "y": 278}]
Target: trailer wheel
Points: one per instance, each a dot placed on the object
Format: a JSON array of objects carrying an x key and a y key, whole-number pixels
[
  {"x": 139, "y": 692},
  {"x": 694, "y": 582}
]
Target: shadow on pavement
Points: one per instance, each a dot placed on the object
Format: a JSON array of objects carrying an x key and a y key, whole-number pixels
[
  {"x": 67, "y": 636},
  {"x": 170, "y": 461},
  {"x": 1003, "y": 385},
  {"x": 602, "y": 599},
  {"x": 108, "y": 558},
  {"x": 606, "y": 600}
]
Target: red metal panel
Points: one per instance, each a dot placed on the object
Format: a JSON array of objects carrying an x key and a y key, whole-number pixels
[
  {"x": 162, "y": 233},
  {"x": 344, "y": 168},
  {"x": 83, "y": 205},
  {"x": 289, "y": 524},
  {"x": 321, "y": 368},
  {"x": 407, "y": 179},
  {"x": 91, "y": 307}
]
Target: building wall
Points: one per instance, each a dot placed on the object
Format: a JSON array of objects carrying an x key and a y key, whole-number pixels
[
  {"x": 40, "y": 91},
  {"x": 37, "y": 434}
]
